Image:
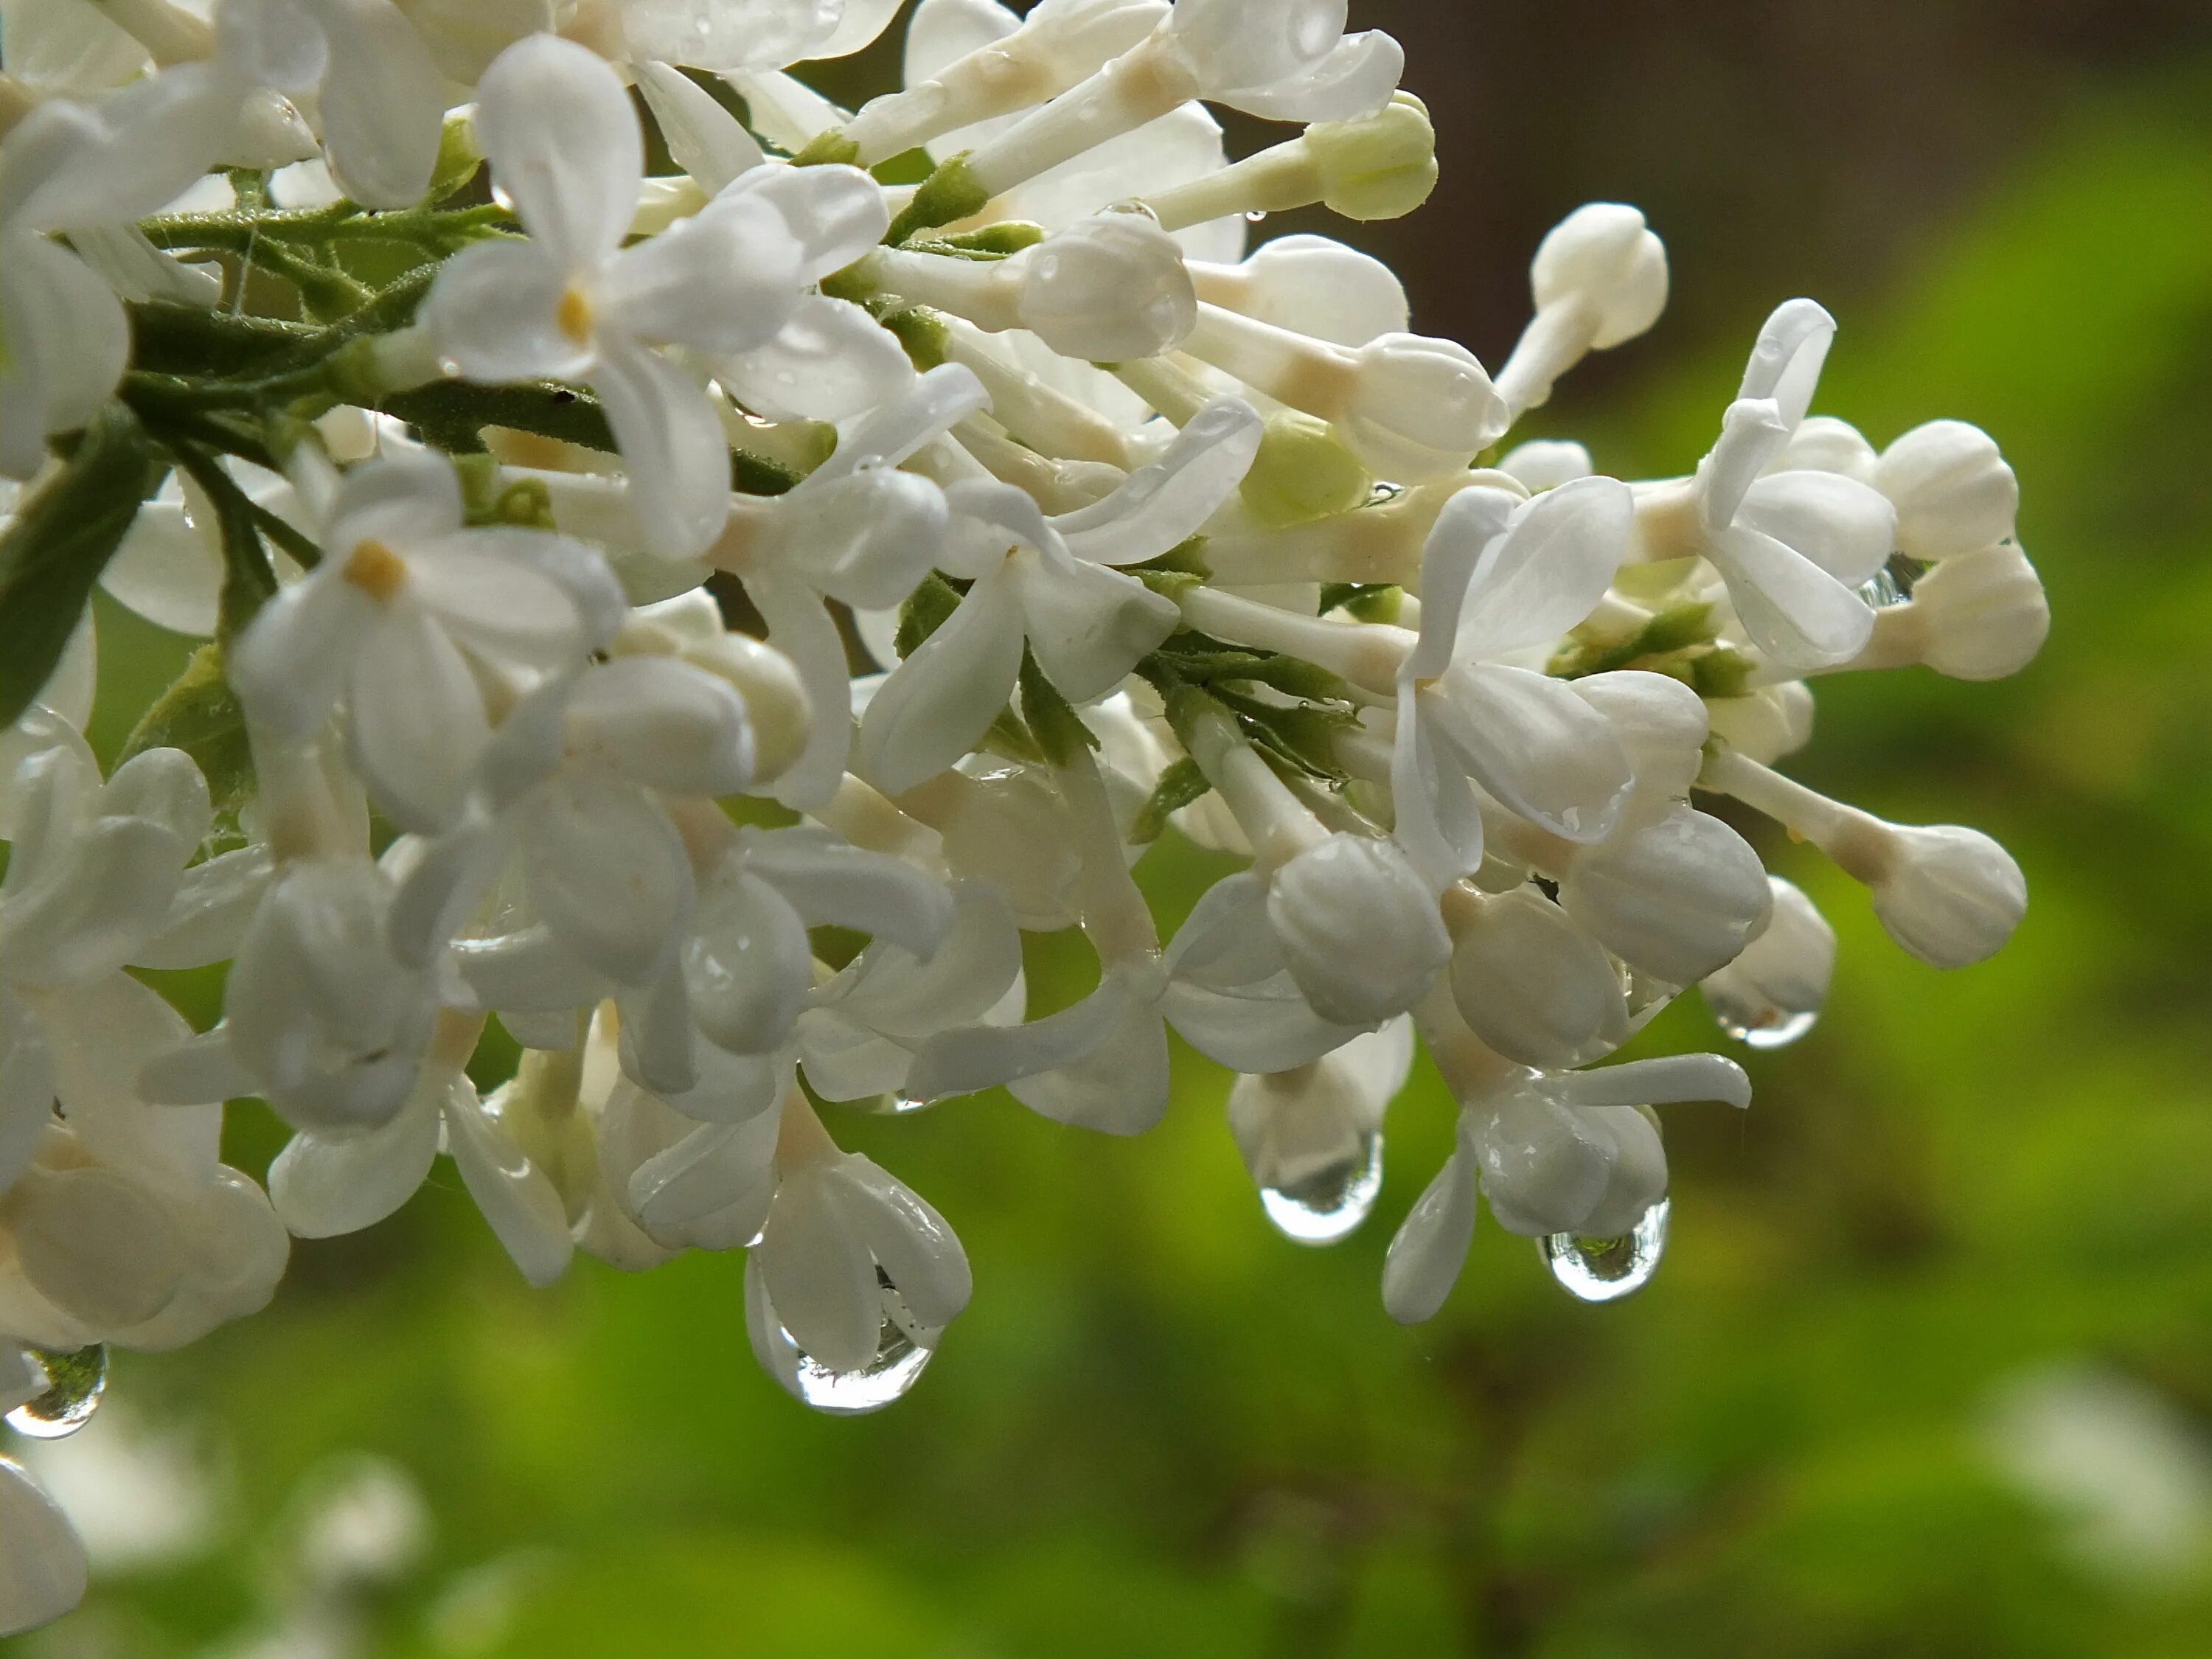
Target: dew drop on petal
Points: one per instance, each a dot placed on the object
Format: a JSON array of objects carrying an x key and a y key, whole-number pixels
[
  {"x": 77, "y": 1381},
  {"x": 1327, "y": 1205},
  {"x": 1603, "y": 1269},
  {"x": 1883, "y": 589},
  {"x": 903, "y": 1348}
]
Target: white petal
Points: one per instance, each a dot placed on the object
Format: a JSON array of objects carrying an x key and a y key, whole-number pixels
[
  {"x": 1785, "y": 363},
  {"x": 829, "y": 882},
  {"x": 563, "y": 144},
  {"x": 494, "y": 312},
  {"x": 1466, "y": 527},
  {"x": 748, "y": 964},
  {"x": 801, "y": 629},
  {"x": 672, "y": 443},
  {"x": 326, "y": 1184},
  {"x": 1527, "y": 739},
  {"x": 287, "y": 666},
  {"x": 416, "y": 725},
  {"x": 166, "y": 570},
  {"x": 1676, "y": 898},
  {"x": 1270, "y": 1027},
  {"x": 1549, "y": 570},
  {"x": 96, "y": 1245},
  {"x": 1426, "y": 1257},
  {"x": 830, "y": 361},
  {"x": 820, "y": 1276},
  {"x": 938, "y": 703},
  {"x": 1118, "y": 1087},
  {"x": 1224, "y": 942},
  {"x": 1437, "y": 822},
  {"x": 610, "y": 875},
  {"x": 1165, "y": 502},
  {"x": 1847, "y": 528},
  {"x": 662, "y": 723},
  {"x": 914, "y": 1244},
  {"x": 518, "y": 1202},
  {"x": 1534, "y": 987},
  {"x": 721, "y": 282},
  {"x": 712, "y": 1168},
  {"x": 43, "y": 1570},
  {"x": 704, "y": 139},
  {"x": 381, "y": 103},
  {"x": 1355, "y": 79},
  {"x": 1088, "y": 625},
  {"x": 837, "y": 213},
  {"x": 1659, "y": 1082},
  {"x": 1795, "y": 612}
]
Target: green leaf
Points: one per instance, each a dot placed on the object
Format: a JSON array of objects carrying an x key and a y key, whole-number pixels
[
  {"x": 927, "y": 610},
  {"x": 1179, "y": 786},
  {"x": 1059, "y": 731},
  {"x": 58, "y": 544},
  {"x": 1375, "y": 602},
  {"x": 199, "y": 714}
]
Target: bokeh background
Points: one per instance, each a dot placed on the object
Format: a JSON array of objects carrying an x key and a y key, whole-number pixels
[{"x": 1928, "y": 1370}]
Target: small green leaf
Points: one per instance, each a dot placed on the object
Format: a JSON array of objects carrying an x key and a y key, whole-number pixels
[
  {"x": 1179, "y": 786},
  {"x": 58, "y": 541},
  {"x": 829, "y": 147},
  {"x": 1059, "y": 730},
  {"x": 927, "y": 610}
]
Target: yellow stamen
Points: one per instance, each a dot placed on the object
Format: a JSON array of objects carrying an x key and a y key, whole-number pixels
[
  {"x": 573, "y": 315},
  {"x": 375, "y": 569}
]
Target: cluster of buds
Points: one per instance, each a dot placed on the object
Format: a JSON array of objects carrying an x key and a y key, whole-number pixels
[{"x": 1053, "y": 517}]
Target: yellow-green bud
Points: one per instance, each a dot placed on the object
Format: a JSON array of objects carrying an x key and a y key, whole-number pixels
[
  {"x": 1302, "y": 473},
  {"x": 1382, "y": 166}
]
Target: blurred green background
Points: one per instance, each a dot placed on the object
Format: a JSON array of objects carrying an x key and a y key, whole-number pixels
[{"x": 1928, "y": 1370}]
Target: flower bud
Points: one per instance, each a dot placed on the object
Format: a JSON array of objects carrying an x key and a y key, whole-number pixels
[
  {"x": 1660, "y": 721},
  {"x": 1773, "y": 992},
  {"x": 1949, "y": 895},
  {"x": 1530, "y": 982},
  {"x": 1547, "y": 463},
  {"x": 1107, "y": 287},
  {"x": 1822, "y": 443},
  {"x": 1637, "y": 1177},
  {"x": 1674, "y": 897},
  {"x": 1302, "y": 473},
  {"x": 1358, "y": 929},
  {"x": 776, "y": 699},
  {"x": 1603, "y": 257},
  {"x": 1772, "y": 721},
  {"x": 1422, "y": 408},
  {"x": 1953, "y": 490},
  {"x": 1981, "y": 614},
  {"x": 1311, "y": 285},
  {"x": 1381, "y": 167}
]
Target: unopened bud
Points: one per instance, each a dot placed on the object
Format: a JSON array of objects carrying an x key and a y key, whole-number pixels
[
  {"x": 1381, "y": 167},
  {"x": 1602, "y": 257},
  {"x": 1953, "y": 490},
  {"x": 1983, "y": 615},
  {"x": 1358, "y": 929},
  {"x": 1949, "y": 895},
  {"x": 1107, "y": 287}
]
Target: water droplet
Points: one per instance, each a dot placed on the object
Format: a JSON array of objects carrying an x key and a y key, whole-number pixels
[
  {"x": 1256, "y": 216},
  {"x": 1603, "y": 1269},
  {"x": 1775, "y": 1033},
  {"x": 77, "y": 1381},
  {"x": 1328, "y": 1204},
  {"x": 1383, "y": 493},
  {"x": 903, "y": 1348}
]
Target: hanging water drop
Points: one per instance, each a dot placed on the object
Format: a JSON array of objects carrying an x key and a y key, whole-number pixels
[
  {"x": 76, "y": 1383},
  {"x": 1257, "y": 215},
  {"x": 1327, "y": 1205},
  {"x": 1776, "y": 1031},
  {"x": 1605, "y": 1269},
  {"x": 903, "y": 1348}
]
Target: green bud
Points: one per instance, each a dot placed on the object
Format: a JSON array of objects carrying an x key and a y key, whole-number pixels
[
  {"x": 1302, "y": 473},
  {"x": 950, "y": 193},
  {"x": 458, "y": 158},
  {"x": 1382, "y": 166},
  {"x": 830, "y": 148}
]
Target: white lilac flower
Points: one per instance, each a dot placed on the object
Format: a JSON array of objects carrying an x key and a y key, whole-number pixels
[
  {"x": 407, "y": 608},
  {"x": 1280, "y": 60},
  {"x": 1147, "y": 534},
  {"x": 1052, "y": 584},
  {"x": 1792, "y": 546},
  {"x": 573, "y": 301}
]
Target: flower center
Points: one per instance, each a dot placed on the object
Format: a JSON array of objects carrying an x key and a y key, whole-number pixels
[
  {"x": 375, "y": 569},
  {"x": 573, "y": 315}
]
